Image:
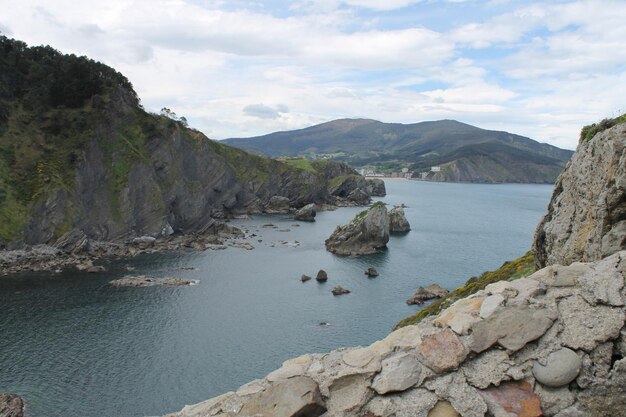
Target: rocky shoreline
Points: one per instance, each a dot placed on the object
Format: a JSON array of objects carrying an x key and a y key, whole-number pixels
[
  {"x": 76, "y": 250},
  {"x": 80, "y": 252},
  {"x": 519, "y": 348}
]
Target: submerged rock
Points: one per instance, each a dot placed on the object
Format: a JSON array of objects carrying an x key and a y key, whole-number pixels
[
  {"x": 306, "y": 213},
  {"x": 11, "y": 405},
  {"x": 425, "y": 294},
  {"x": 397, "y": 220},
  {"x": 339, "y": 290},
  {"x": 145, "y": 281},
  {"x": 364, "y": 235},
  {"x": 371, "y": 272},
  {"x": 305, "y": 278}
]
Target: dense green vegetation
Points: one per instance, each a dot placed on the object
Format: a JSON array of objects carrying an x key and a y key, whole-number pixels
[
  {"x": 46, "y": 114},
  {"x": 519, "y": 268},
  {"x": 589, "y": 131}
]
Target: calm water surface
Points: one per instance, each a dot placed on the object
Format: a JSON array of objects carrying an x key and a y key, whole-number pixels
[{"x": 73, "y": 346}]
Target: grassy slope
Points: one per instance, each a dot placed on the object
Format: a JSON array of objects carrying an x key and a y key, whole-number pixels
[{"x": 519, "y": 268}]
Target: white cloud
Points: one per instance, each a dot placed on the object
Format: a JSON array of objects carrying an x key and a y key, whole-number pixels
[{"x": 240, "y": 68}]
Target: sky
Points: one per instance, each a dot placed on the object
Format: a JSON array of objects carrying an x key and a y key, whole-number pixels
[{"x": 244, "y": 68}]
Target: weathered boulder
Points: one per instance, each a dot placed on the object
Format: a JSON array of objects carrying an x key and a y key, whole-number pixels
[
  {"x": 371, "y": 272},
  {"x": 321, "y": 276},
  {"x": 512, "y": 328},
  {"x": 375, "y": 187},
  {"x": 399, "y": 372},
  {"x": 306, "y": 213},
  {"x": 305, "y": 278},
  {"x": 143, "y": 242},
  {"x": 11, "y": 405},
  {"x": 442, "y": 351},
  {"x": 514, "y": 399},
  {"x": 425, "y": 294},
  {"x": 397, "y": 220},
  {"x": 73, "y": 242},
  {"x": 295, "y": 397},
  {"x": 586, "y": 217},
  {"x": 277, "y": 204},
  {"x": 561, "y": 368},
  {"x": 364, "y": 235},
  {"x": 339, "y": 290}
]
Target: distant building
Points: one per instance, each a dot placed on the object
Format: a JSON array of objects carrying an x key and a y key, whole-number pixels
[
  {"x": 405, "y": 170},
  {"x": 435, "y": 169}
]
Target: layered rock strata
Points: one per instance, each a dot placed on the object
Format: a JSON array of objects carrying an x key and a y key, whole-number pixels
[
  {"x": 586, "y": 217},
  {"x": 551, "y": 344}
]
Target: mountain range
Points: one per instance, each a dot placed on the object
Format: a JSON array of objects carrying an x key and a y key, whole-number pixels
[{"x": 459, "y": 152}]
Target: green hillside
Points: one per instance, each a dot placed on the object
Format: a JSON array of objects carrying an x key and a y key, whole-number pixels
[{"x": 494, "y": 156}]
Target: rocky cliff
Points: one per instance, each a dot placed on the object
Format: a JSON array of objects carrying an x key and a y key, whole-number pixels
[
  {"x": 79, "y": 154},
  {"x": 520, "y": 348},
  {"x": 586, "y": 217}
]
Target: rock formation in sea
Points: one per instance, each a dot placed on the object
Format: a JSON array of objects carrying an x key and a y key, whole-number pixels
[
  {"x": 365, "y": 234},
  {"x": 552, "y": 344},
  {"x": 111, "y": 172},
  {"x": 431, "y": 292},
  {"x": 397, "y": 220},
  {"x": 586, "y": 217},
  {"x": 306, "y": 213}
]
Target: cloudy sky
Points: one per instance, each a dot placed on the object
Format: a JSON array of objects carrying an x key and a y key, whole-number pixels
[{"x": 242, "y": 68}]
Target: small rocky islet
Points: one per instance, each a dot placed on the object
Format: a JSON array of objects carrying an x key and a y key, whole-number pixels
[{"x": 549, "y": 344}]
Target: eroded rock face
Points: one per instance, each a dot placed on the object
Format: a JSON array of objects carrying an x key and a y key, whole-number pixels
[
  {"x": 397, "y": 221},
  {"x": 364, "y": 235},
  {"x": 551, "y": 345},
  {"x": 306, "y": 213},
  {"x": 586, "y": 217}
]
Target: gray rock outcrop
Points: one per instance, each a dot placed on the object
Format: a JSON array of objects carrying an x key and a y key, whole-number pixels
[
  {"x": 376, "y": 187},
  {"x": 431, "y": 292},
  {"x": 586, "y": 217},
  {"x": 546, "y": 349},
  {"x": 306, "y": 213},
  {"x": 371, "y": 272},
  {"x": 397, "y": 220},
  {"x": 364, "y": 235},
  {"x": 321, "y": 276},
  {"x": 11, "y": 405},
  {"x": 339, "y": 290}
]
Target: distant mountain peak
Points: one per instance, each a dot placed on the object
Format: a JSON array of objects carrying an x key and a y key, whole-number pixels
[{"x": 467, "y": 152}]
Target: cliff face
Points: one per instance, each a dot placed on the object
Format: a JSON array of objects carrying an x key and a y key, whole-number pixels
[
  {"x": 586, "y": 217},
  {"x": 140, "y": 174},
  {"x": 78, "y": 154}
]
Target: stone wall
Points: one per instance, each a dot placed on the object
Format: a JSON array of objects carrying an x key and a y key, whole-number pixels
[{"x": 552, "y": 344}]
